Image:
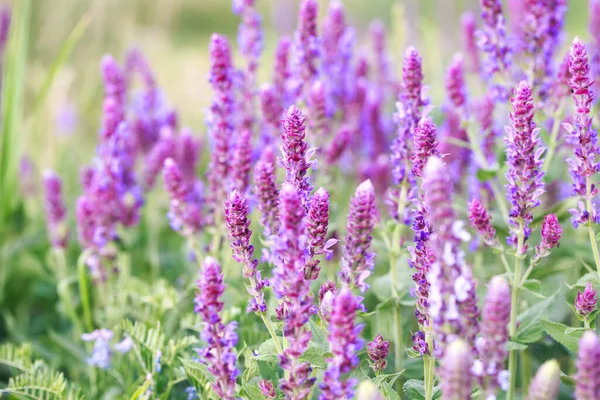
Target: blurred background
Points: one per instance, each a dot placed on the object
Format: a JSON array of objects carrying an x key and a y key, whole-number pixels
[{"x": 174, "y": 35}]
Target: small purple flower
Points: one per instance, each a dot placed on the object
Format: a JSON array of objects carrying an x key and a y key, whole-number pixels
[
  {"x": 188, "y": 148},
  {"x": 455, "y": 83},
  {"x": 266, "y": 191},
  {"x": 307, "y": 45},
  {"x": 491, "y": 345},
  {"x": 295, "y": 156},
  {"x": 469, "y": 27},
  {"x": 102, "y": 352},
  {"x": 340, "y": 143},
  {"x": 317, "y": 221},
  {"x": 546, "y": 383},
  {"x": 425, "y": 145},
  {"x": 551, "y": 233},
  {"x": 267, "y": 389},
  {"x": 456, "y": 378},
  {"x": 587, "y": 381},
  {"x": 271, "y": 110},
  {"x": 594, "y": 28},
  {"x": 327, "y": 293},
  {"x": 378, "y": 351},
  {"x": 357, "y": 260},
  {"x": 524, "y": 151},
  {"x": 282, "y": 72},
  {"x": 413, "y": 82},
  {"x": 219, "y": 354},
  {"x": 56, "y": 212},
  {"x": 166, "y": 147},
  {"x": 492, "y": 42},
  {"x": 319, "y": 110},
  {"x": 241, "y": 161},
  {"x": 185, "y": 212},
  {"x": 482, "y": 222},
  {"x": 586, "y": 301},
  {"x": 345, "y": 343}
]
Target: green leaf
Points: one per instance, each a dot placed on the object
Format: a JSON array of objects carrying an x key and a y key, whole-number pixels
[
  {"x": 319, "y": 336},
  {"x": 515, "y": 346},
  {"x": 267, "y": 352},
  {"x": 252, "y": 392},
  {"x": 534, "y": 287},
  {"x": 386, "y": 382},
  {"x": 43, "y": 384},
  {"x": 197, "y": 373},
  {"x": 414, "y": 389},
  {"x": 485, "y": 175},
  {"x": 17, "y": 357},
  {"x": 316, "y": 357},
  {"x": 583, "y": 281},
  {"x": 569, "y": 331},
  {"x": 530, "y": 329},
  {"x": 557, "y": 332}
]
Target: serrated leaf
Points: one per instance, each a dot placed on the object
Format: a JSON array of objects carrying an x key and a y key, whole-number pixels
[
  {"x": 252, "y": 392},
  {"x": 529, "y": 321},
  {"x": 267, "y": 352},
  {"x": 557, "y": 331},
  {"x": 414, "y": 389},
  {"x": 316, "y": 357},
  {"x": 583, "y": 281},
  {"x": 319, "y": 336},
  {"x": 569, "y": 331}
]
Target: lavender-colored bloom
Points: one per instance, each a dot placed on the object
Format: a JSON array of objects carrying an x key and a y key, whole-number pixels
[
  {"x": 5, "y": 18},
  {"x": 220, "y": 339},
  {"x": 319, "y": 110},
  {"x": 452, "y": 298},
  {"x": 551, "y": 233},
  {"x": 587, "y": 380},
  {"x": 455, "y": 372},
  {"x": 102, "y": 351},
  {"x": 185, "y": 212},
  {"x": 469, "y": 27},
  {"x": 267, "y": 389},
  {"x": 188, "y": 148},
  {"x": 492, "y": 42},
  {"x": 266, "y": 191},
  {"x": 586, "y": 301},
  {"x": 238, "y": 230},
  {"x": 327, "y": 293},
  {"x": 412, "y": 71},
  {"x": 191, "y": 393},
  {"x": 455, "y": 83},
  {"x": 546, "y": 383},
  {"x": 491, "y": 345},
  {"x": 317, "y": 221},
  {"x": 582, "y": 136},
  {"x": 295, "y": 156},
  {"x": 282, "y": 72},
  {"x": 378, "y": 351},
  {"x": 357, "y": 260},
  {"x": 594, "y": 28},
  {"x": 220, "y": 120},
  {"x": 56, "y": 212},
  {"x": 482, "y": 222},
  {"x": 241, "y": 161},
  {"x": 165, "y": 148},
  {"x": 345, "y": 343},
  {"x": 382, "y": 59},
  {"x": 307, "y": 45},
  {"x": 340, "y": 143},
  {"x": 524, "y": 151},
  {"x": 425, "y": 145},
  {"x": 293, "y": 290},
  {"x": 270, "y": 106}
]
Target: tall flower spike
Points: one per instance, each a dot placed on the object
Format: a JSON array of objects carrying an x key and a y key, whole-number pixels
[
  {"x": 524, "y": 151},
  {"x": 238, "y": 230},
  {"x": 587, "y": 380},
  {"x": 482, "y": 222},
  {"x": 282, "y": 72},
  {"x": 241, "y": 162},
  {"x": 455, "y": 372},
  {"x": 317, "y": 221},
  {"x": 582, "y": 136},
  {"x": 491, "y": 345},
  {"x": 56, "y": 212},
  {"x": 551, "y": 233},
  {"x": 266, "y": 191},
  {"x": 185, "y": 211},
  {"x": 469, "y": 27},
  {"x": 425, "y": 145},
  {"x": 378, "y": 351},
  {"x": 594, "y": 28},
  {"x": 413, "y": 81},
  {"x": 295, "y": 156},
  {"x": 357, "y": 260},
  {"x": 219, "y": 354},
  {"x": 546, "y": 383},
  {"x": 220, "y": 119},
  {"x": 345, "y": 343},
  {"x": 307, "y": 44},
  {"x": 492, "y": 42},
  {"x": 586, "y": 302},
  {"x": 455, "y": 83},
  {"x": 293, "y": 290}
]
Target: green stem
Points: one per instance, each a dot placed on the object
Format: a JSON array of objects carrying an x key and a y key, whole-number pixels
[
  {"x": 64, "y": 292},
  {"x": 512, "y": 357},
  {"x": 271, "y": 332},
  {"x": 526, "y": 371},
  {"x": 83, "y": 291},
  {"x": 553, "y": 136},
  {"x": 429, "y": 366},
  {"x": 588, "y": 184},
  {"x": 506, "y": 266}
]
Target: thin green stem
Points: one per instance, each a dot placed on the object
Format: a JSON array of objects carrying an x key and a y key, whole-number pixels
[
  {"x": 429, "y": 366},
  {"x": 553, "y": 137},
  {"x": 512, "y": 357},
  {"x": 588, "y": 198},
  {"x": 84, "y": 291},
  {"x": 63, "y": 289},
  {"x": 272, "y": 332},
  {"x": 506, "y": 266}
]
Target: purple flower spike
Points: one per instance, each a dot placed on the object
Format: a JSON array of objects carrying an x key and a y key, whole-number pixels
[
  {"x": 5, "y": 17},
  {"x": 220, "y": 119},
  {"x": 319, "y": 110},
  {"x": 586, "y": 301},
  {"x": 282, "y": 72},
  {"x": 295, "y": 156},
  {"x": 188, "y": 148},
  {"x": 271, "y": 109},
  {"x": 455, "y": 82},
  {"x": 338, "y": 145},
  {"x": 185, "y": 212},
  {"x": 378, "y": 351},
  {"x": 267, "y": 389},
  {"x": 524, "y": 151},
  {"x": 469, "y": 27},
  {"x": 587, "y": 380},
  {"x": 595, "y": 36},
  {"x": 219, "y": 355},
  {"x": 317, "y": 221},
  {"x": 357, "y": 260},
  {"x": 241, "y": 162},
  {"x": 327, "y": 293},
  {"x": 482, "y": 222},
  {"x": 455, "y": 372},
  {"x": 165, "y": 148},
  {"x": 425, "y": 145},
  {"x": 345, "y": 343},
  {"x": 293, "y": 290},
  {"x": 491, "y": 345},
  {"x": 551, "y": 233},
  {"x": 266, "y": 191},
  {"x": 492, "y": 42},
  {"x": 546, "y": 383},
  {"x": 307, "y": 44},
  {"x": 582, "y": 136},
  {"x": 56, "y": 213}
]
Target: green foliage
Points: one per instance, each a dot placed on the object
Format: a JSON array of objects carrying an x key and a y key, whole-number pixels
[
  {"x": 42, "y": 383},
  {"x": 16, "y": 357}
]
